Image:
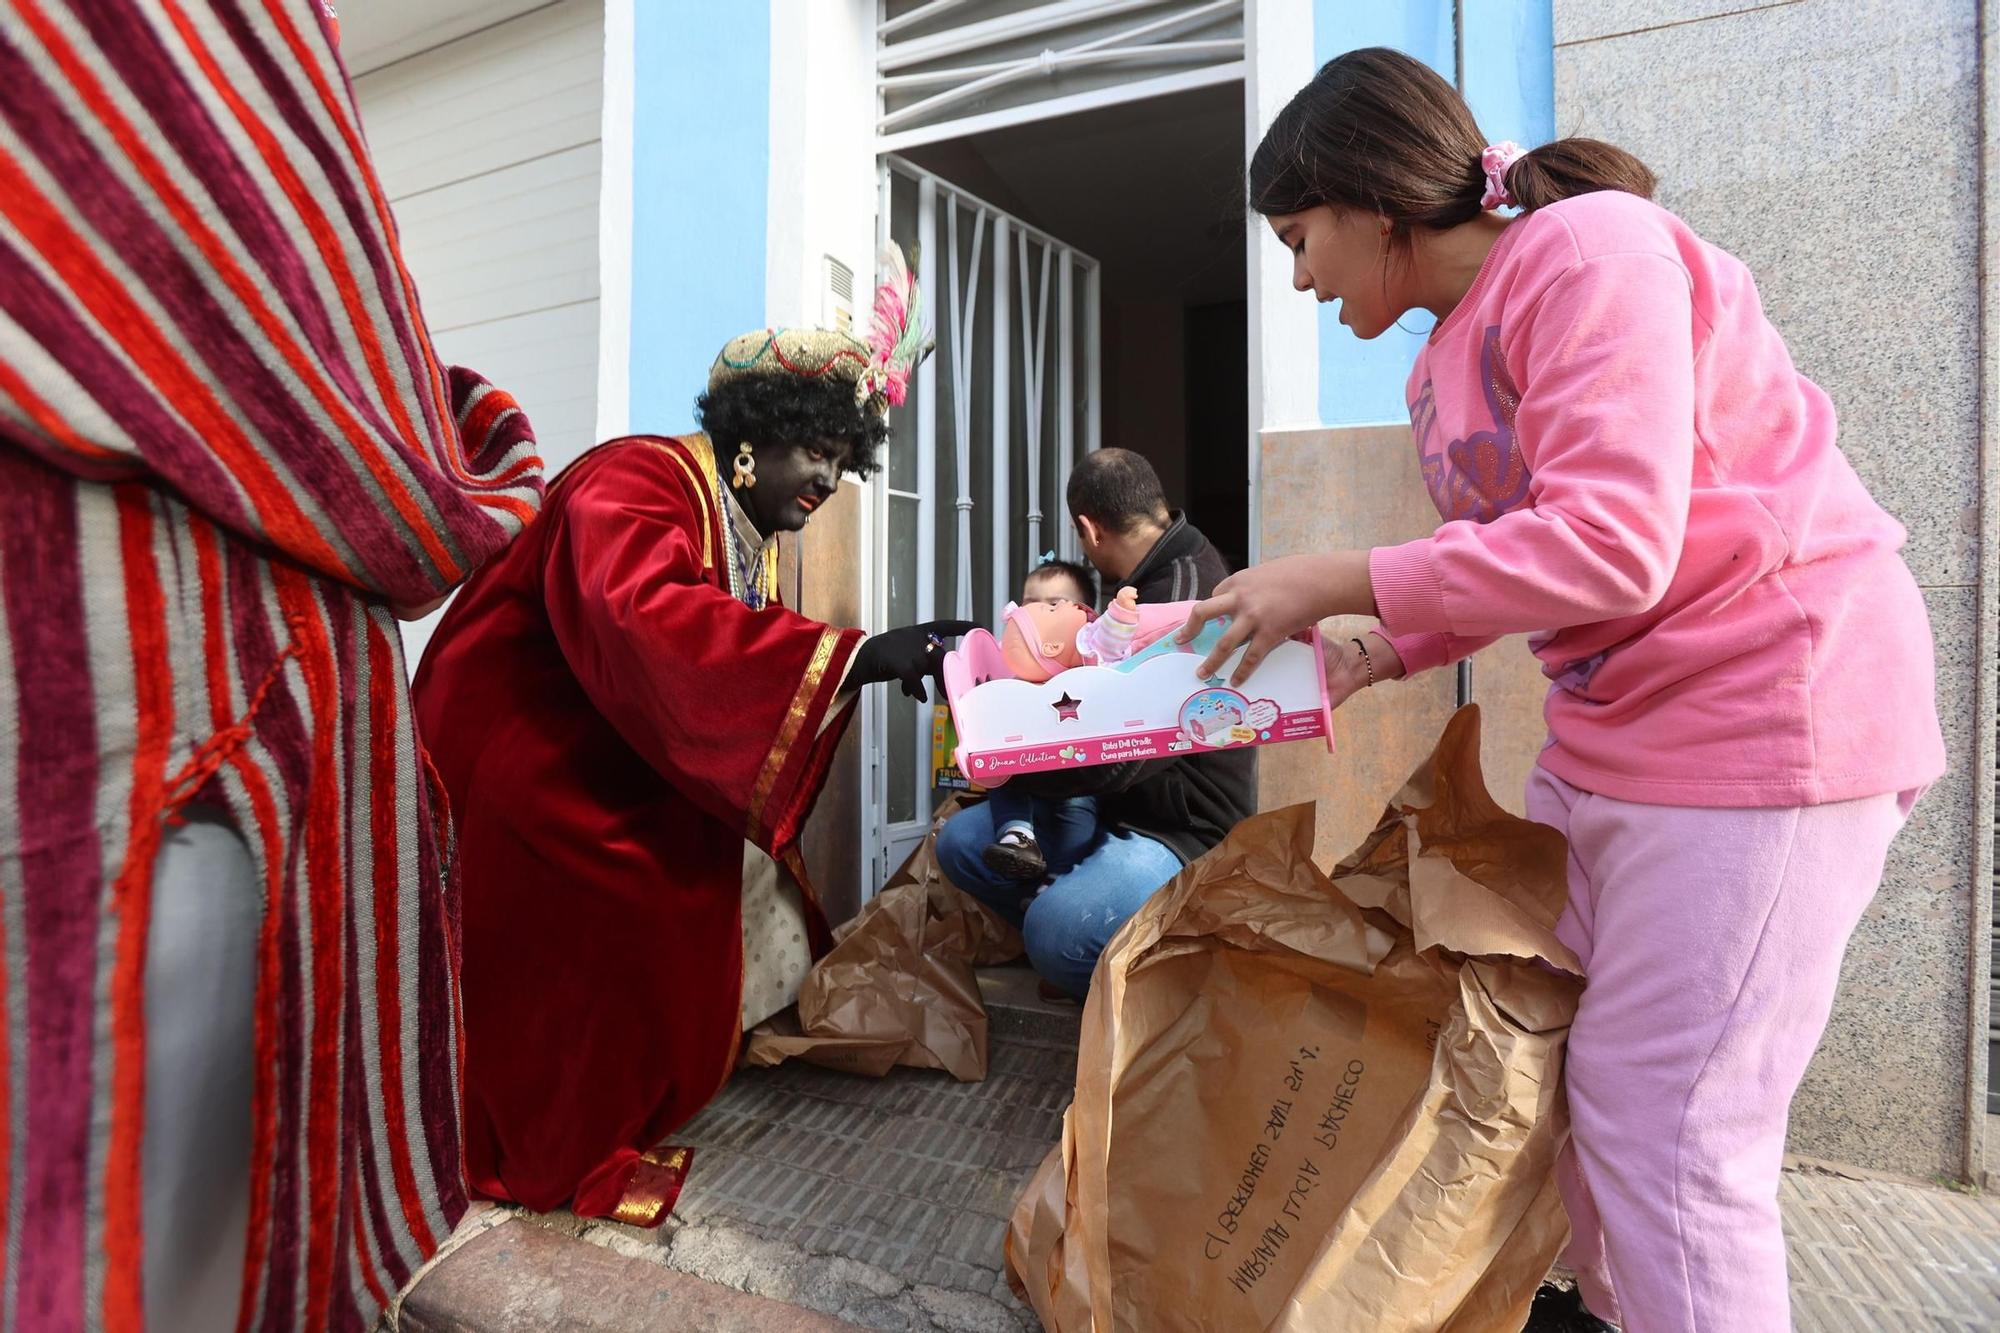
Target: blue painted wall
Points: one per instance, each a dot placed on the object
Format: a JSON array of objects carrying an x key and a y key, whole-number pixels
[
  {"x": 1510, "y": 69},
  {"x": 700, "y": 170},
  {"x": 1510, "y": 82}
]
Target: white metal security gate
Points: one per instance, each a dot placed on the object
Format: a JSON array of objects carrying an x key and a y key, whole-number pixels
[{"x": 971, "y": 494}]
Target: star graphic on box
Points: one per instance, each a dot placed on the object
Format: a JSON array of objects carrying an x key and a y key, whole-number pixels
[{"x": 1066, "y": 708}]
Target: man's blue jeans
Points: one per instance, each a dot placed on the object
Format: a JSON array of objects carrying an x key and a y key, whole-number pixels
[{"x": 1068, "y": 924}]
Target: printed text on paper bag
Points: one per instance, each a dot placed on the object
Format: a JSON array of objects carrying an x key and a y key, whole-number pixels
[{"x": 1260, "y": 1249}]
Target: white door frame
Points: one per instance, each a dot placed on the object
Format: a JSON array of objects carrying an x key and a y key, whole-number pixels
[
  {"x": 614, "y": 223},
  {"x": 1284, "y": 327}
]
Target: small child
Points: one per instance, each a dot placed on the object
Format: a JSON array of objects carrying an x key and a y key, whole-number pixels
[{"x": 1038, "y": 838}]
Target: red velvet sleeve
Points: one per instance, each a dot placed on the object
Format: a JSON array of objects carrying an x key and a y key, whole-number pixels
[{"x": 728, "y": 704}]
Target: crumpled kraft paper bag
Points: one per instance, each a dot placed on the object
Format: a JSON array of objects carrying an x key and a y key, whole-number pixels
[
  {"x": 1321, "y": 1105},
  {"x": 898, "y": 987}
]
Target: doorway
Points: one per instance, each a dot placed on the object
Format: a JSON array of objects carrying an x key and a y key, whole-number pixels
[{"x": 1123, "y": 229}]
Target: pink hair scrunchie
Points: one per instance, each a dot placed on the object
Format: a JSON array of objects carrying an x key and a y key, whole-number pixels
[{"x": 1495, "y": 161}]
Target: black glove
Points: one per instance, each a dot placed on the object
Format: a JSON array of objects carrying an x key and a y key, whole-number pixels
[{"x": 910, "y": 655}]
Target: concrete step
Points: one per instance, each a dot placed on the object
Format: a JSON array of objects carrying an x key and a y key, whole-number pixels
[
  {"x": 1016, "y": 1010},
  {"x": 523, "y": 1278},
  {"x": 881, "y": 1201},
  {"x": 870, "y": 1203}
]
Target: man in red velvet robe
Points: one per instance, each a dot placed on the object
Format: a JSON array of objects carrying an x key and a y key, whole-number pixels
[{"x": 615, "y": 708}]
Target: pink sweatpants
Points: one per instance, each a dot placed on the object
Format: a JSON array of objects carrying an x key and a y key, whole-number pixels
[{"x": 1712, "y": 942}]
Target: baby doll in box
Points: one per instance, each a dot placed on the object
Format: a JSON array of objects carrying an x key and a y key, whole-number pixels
[
  {"x": 1050, "y": 630},
  {"x": 1040, "y": 636},
  {"x": 1034, "y": 837}
]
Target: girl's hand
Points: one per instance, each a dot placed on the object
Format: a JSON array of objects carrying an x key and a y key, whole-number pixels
[
  {"x": 1267, "y": 604},
  {"x": 1347, "y": 671}
]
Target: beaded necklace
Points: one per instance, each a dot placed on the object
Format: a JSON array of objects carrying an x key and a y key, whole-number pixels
[{"x": 753, "y": 570}]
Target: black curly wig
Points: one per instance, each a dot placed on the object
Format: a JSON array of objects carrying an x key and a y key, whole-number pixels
[{"x": 788, "y": 409}]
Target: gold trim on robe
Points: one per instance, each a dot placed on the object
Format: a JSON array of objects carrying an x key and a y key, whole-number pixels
[
  {"x": 707, "y": 485},
  {"x": 788, "y": 734},
  {"x": 655, "y": 1185},
  {"x": 702, "y": 474}
]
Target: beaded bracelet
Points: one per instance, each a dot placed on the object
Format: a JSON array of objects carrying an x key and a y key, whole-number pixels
[{"x": 1367, "y": 662}]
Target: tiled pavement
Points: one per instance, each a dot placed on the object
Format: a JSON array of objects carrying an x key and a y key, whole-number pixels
[
  {"x": 910, "y": 1178},
  {"x": 883, "y": 1202},
  {"x": 1873, "y": 1256}
]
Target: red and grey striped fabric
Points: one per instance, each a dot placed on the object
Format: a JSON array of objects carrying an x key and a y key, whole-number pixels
[{"x": 226, "y": 449}]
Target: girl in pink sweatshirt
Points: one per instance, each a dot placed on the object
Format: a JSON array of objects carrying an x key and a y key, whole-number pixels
[{"x": 1741, "y": 710}]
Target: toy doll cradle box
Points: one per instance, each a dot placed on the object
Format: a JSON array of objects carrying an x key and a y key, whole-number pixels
[{"x": 1151, "y": 706}]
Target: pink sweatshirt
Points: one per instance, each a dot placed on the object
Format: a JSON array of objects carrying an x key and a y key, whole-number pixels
[{"x": 1631, "y": 469}]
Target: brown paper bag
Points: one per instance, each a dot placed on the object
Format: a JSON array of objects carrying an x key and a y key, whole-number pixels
[
  {"x": 1319, "y": 1105},
  {"x": 898, "y": 987}
]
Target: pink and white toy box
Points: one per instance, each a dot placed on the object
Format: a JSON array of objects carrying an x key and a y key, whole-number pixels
[{"x": 1150, "y": 706}]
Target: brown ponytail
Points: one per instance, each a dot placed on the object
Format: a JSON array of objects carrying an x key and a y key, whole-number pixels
[
  {"x": 1380, "y": 131},
  {"x": 1569, "y": 167}
]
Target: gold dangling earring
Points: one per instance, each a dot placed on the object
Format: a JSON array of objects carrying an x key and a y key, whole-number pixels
[{"x": 746, "y": 467}]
